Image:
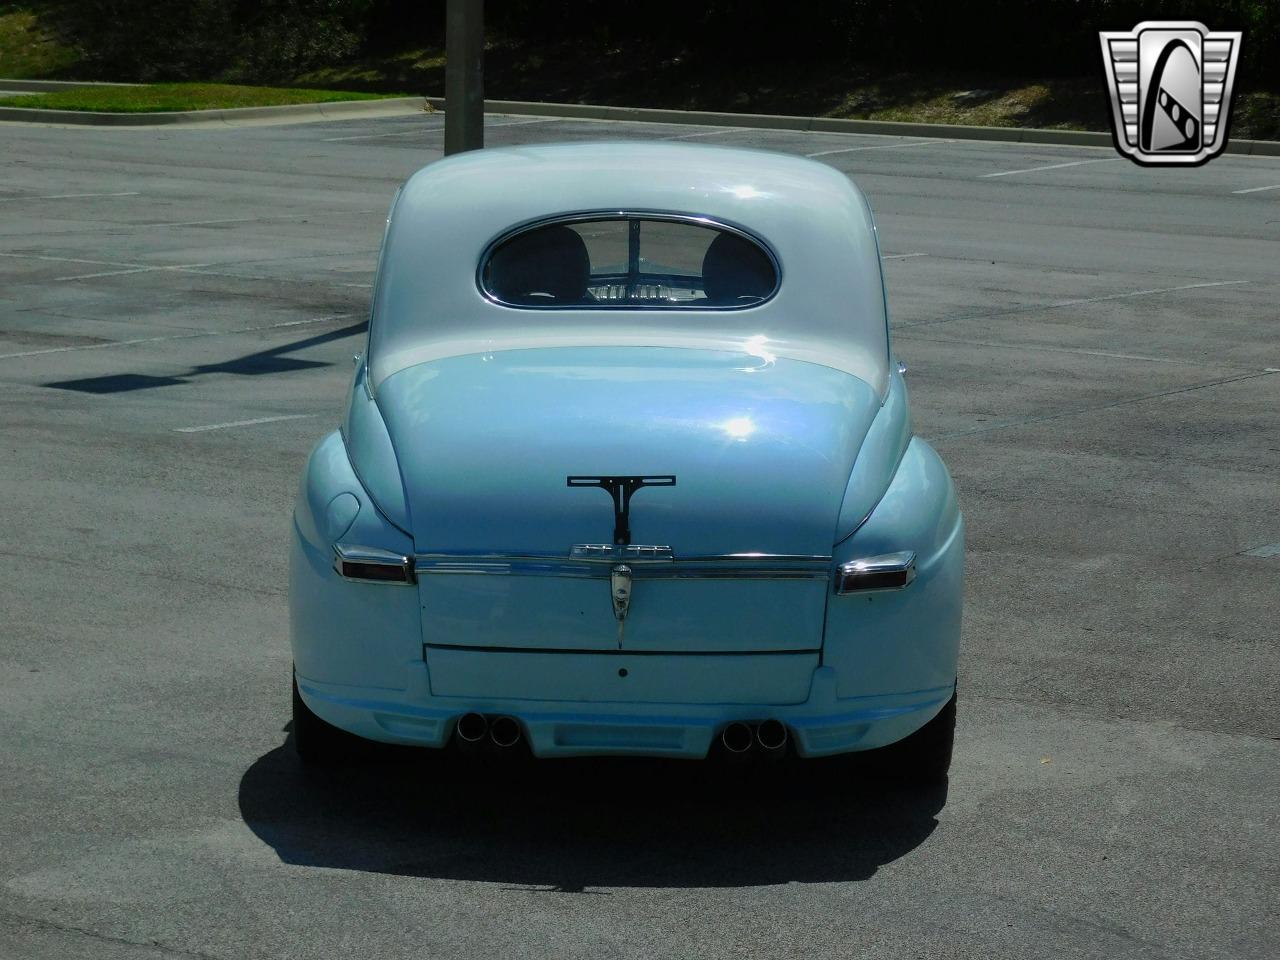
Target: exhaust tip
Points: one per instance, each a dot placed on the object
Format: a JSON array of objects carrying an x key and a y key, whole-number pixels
[
  {"x": 472, "y": 727},
  {"x": 504, "y": 732},
  {"x": 771, "y": 735},
  {"x": 736, "y": 737}
]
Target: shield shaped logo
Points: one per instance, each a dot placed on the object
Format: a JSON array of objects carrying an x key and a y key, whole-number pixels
[{"x": 1170, "y": 85}]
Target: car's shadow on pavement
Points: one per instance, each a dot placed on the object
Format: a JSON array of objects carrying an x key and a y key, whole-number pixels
[{"x": 576, "y": 825}]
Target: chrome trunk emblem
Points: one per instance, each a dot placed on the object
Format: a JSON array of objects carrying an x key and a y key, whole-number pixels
[
  {"x": 621, "y": 490},
  {"x": 620, "y": 587}
]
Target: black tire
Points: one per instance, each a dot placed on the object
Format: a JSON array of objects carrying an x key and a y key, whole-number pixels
[
  {"x": 923, "y": 757},
  {"x": 319, "y": 744}
]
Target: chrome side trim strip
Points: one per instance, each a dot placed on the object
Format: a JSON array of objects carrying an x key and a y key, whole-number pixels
[{"x": 596, "y": 561}]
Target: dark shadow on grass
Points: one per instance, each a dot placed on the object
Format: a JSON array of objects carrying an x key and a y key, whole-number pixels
[{"x": 577, "y": 825}]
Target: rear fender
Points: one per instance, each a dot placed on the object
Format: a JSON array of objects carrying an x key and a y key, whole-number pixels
[
  {"x": 877, "y": 462},
  {"x": 342, "y": 631},
  {"x": 900, "y": 641}
]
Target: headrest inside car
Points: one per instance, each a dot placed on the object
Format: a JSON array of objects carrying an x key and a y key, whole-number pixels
[
  {"x": 546, "y": 266},
  {"x": 735, "y": 269}
]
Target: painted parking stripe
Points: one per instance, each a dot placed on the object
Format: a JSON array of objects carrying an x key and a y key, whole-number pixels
[
  {"x": 175, "y": 336},
  {"x": 1052, "y": 166},
  {"x": 1268, "y": 550},
  {"x": 902, "y": 256},
  {"x": 380, "y": 136},
  {"x": 1035, "y": 308},
  {"x": 48, "y": 259},
  {"x": 879, "y": 146},
  {"x": 192, "y": 223},
  {"x": 72, "y": 196},
  {"x": 1076, "y": 411},
  {"x": 1258, "y": 189},
  {"x": 1146, "y": 293},
  {"x": 436, "y": 129},
  {"x": 242, "y": 423},
  {"x": 120, "y": 273},
  {"x": 705, "y": 133}
]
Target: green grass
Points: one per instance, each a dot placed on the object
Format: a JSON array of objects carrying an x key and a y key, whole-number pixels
[
  {"x": 27, "y": 51},
  {"x": 623, "y": 76},
  {"x": 551, "y": 73},
  {"x": 157, "y": 97}
]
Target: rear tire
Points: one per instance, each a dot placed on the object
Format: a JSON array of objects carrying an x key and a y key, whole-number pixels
[
  {"x": 923, "y": 757},
  {"x": 318, "y": 743}
]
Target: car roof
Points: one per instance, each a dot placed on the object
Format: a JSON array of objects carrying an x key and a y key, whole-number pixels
[{"x": 829, "y": 307}]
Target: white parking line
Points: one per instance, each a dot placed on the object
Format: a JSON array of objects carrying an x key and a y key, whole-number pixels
[
  {"x": 96, "y": 263},
  {"x": 1052, "y": 166},
  {"x": 1035, "y": 308},
  {"x": 436, "y": 129},
  {"x": 242, "y": 423},
  {"x": 1076, "y": 411},
  {"x": 199, "y": 269},
  {"x": 380, "y": 136},
  {"x": 905, "y": 334},
  {"x": 120, "y": 273},
  {"x": 176, "y": 336},
  {"x": 705, "y": 133},
  {"x": 1143, "y": 293},
  {"x": 190, "y": 223},
  {"x": 879, "y": 146},
  {"x": 1258, "y": 189},
  {"x": 902, "y": 256},
  {"x": 71, "y": 196},
  {"x": 1267, "y": 550}
]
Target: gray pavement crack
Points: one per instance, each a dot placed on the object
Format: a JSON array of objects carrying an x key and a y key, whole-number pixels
[{"x": 18, "y": 920}]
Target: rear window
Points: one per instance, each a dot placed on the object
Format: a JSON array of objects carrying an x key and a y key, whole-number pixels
[{"x": 629, "y": 261}]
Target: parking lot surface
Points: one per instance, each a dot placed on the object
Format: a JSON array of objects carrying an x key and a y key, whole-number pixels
[{"x": 1094, "y": 349}]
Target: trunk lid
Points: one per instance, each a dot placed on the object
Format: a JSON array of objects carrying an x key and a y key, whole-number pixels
[{"x": 761, "y": 452}]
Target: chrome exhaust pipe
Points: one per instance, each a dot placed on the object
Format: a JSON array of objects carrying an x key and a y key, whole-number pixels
[
  {"x": 736, "y": 737},
  {"x": 472, "y": 727},
  {"x": 504, "y": 732},
  {"x": 771, "y": 735}
]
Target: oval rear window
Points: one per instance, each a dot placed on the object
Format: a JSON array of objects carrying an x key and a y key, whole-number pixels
[{"x": 631, "y": 261}]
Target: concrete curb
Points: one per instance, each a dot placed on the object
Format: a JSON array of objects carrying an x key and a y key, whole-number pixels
[
  {"x": 761, "y": 121},
  {"x": 302, "y": 112},
  {"x": 349, "y": 109},
  {"x": 49, "y": 86}
]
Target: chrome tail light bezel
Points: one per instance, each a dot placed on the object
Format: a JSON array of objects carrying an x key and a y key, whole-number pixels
[
  {"x": 886, "y": 571},
  {"x": 360, "y": 564}
]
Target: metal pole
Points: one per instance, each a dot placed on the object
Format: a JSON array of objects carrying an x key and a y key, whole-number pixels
[{"x": 464, "y": 76}]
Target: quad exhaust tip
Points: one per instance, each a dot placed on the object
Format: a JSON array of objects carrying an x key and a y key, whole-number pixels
[
  {"x": 504, "y": 732},
  {"x": 771, "y": 735},
  {"x": 472, "y": 727},
  {"x": 736, "y": 737}
]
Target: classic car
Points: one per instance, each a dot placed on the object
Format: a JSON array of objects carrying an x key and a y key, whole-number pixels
[{"x": 627, "y": 469}]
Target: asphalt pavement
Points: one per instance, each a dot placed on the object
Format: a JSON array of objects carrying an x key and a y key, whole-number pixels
[{"x": 1092, "y": 347}]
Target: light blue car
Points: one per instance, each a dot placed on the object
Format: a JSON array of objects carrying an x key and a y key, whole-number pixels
[{"x": 628, "y": 469}]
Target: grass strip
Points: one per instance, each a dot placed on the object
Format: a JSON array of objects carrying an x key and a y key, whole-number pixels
[{"x": 162, "y": 97}]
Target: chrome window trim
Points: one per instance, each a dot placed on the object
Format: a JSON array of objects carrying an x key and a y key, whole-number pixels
[{"x": 590, "y": 216}]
